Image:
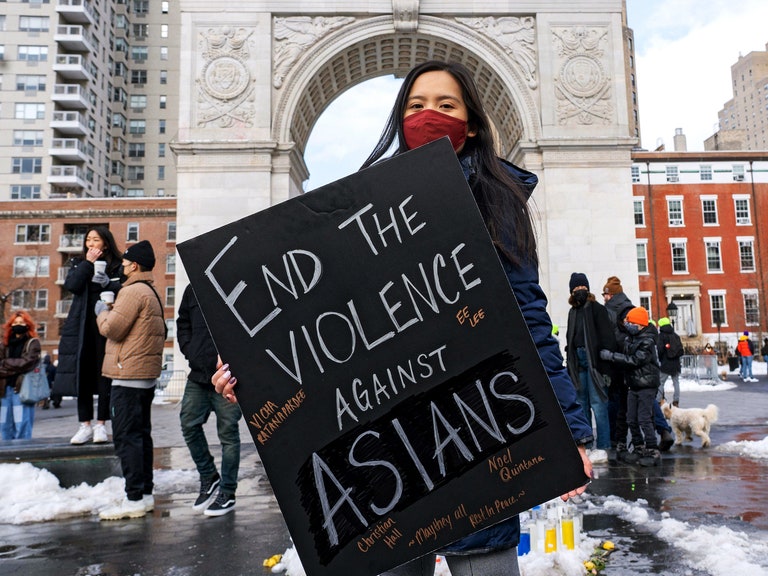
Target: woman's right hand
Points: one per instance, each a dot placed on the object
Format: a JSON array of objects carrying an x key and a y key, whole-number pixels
[
  {"x": 93, "y": 254},
  {"x": 224, "y": 382}
]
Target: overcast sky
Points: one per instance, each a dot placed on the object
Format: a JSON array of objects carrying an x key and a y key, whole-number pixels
[{"x": 684, "y": 51}]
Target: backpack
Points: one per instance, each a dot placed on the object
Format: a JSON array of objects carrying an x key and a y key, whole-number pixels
[{"x": 675, "y": 349}]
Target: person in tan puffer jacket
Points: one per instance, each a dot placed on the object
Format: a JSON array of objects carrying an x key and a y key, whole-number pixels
[{"x": 135, "y": 333}]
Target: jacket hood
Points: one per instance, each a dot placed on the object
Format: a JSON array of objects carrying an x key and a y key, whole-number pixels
[{"x": 528, "y": 180}]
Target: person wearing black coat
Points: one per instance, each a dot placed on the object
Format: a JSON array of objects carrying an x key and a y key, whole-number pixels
[
  {"x": 81, "y": 348},
  {"x": 589, "y": 331},
  {"x": 217, "y": 491},
  {"x": 670, "y": 352},
  {"x": 641, "y": 359}
]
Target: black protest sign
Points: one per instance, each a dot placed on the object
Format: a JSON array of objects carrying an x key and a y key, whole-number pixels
[{"x": 385, "y": 370}]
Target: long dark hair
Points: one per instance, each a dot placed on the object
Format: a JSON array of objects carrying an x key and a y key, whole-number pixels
[
  {"x": 110, "y": 253},
  {"x": 501, "y": 199}
]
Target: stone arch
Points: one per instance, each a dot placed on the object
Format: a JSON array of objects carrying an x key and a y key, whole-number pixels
[{"x": 369, "y": 48}]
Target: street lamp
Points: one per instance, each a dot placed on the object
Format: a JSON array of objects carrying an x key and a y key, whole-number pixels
[{"x": 672, "y": 312}]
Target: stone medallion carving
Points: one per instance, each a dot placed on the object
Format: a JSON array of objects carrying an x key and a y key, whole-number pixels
[
  {"x": 582, "y": 86},
  {"x": 225, "y": 84},
  {"x": 516, "y": 36},
  {"x": 295, "y": 35}
]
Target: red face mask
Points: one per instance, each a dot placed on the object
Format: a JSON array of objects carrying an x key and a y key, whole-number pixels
[{"x": 429, "y": 125}]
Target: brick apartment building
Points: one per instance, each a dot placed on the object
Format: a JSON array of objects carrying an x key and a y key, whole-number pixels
[
  {"x": 702, "y": 241},
  {"x": 38, "y": 238}
]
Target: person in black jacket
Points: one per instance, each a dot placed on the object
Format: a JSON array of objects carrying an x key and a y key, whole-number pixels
[
  {"x": 589, "y": 331},
  {"x": 217, "y": 492},
  {"x": 640, "y": 357},
  {"x": 670, "y": 352},
  {"x": 81, "y": 349}
]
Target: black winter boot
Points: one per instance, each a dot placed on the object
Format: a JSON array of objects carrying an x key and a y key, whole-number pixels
[
  {"x": 650, "y": 457},
  {"x": 667, "y": 439}
]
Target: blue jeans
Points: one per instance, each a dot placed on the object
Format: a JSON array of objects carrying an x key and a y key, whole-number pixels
[
  {"x": 746, "y": 367},
  {"x": 16, "y": 419},
  {"x": 591, "y": 401},
  {"x": 196, "y": 405}
]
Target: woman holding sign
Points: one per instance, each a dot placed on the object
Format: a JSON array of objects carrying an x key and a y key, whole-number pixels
[{"x": 439, "y": 99}]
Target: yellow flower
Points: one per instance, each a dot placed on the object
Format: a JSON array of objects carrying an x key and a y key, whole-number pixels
[
  {"x": 271, "y": 562},
  {"x": 608, "y": 545},
  {"x": 589, "y": 565}
]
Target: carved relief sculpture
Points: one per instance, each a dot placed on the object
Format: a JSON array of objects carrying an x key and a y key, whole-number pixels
[
  {"x": 516, "y": 36},
  {"x": 294, "y": 35},
  {"x": 405, "y": 14},
  {"x": 582, "y": 86},
  {"x": 225, "y": 94}
]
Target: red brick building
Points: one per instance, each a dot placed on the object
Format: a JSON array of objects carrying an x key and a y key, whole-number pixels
[
  {"x": 39, "y": 237},
  {"x": 701, "y": 222}
]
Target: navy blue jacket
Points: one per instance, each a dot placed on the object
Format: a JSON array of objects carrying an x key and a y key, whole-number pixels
[{"x": 524, "y": 281}]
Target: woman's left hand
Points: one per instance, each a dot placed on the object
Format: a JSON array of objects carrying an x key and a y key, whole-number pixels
[{"x": 587, "y": 471}]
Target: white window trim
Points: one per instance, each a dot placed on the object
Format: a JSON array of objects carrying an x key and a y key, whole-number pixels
[
  {"x": 644, "y": 243},
  {"x": 682, "y": 211},
  {"x": 713, "y": 240},
  {"x": 718, "y": 292},
  {"x": 713, "y": 198},
  {"x": 640, "y": 199}
]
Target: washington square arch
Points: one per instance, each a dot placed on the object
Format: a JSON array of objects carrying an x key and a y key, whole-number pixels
[{"x": 257, "y": 75}]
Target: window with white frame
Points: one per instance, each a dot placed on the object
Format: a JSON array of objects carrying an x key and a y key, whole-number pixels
[
  {"x": 135, "y": 173},
  {"x": 134, "y": 192},
  {"x": 170, "y": 264},
  {"x": 170, "y": 235},
  {"x": 136, "y": 149},
  {"x": 751, "y": 307},
  {"x": 741, "y": 207},
  {"x": 27, "y": 82},
  {"x": 746, "y": 253},
  {"x": 639, "y": 207},
  {"x": 709, "y": 210},
  {"x": 33, "y": 233},
  {"x": 27, "y": 137},
  {"x": 42, "y": 330},
  {"x": 170, "y": 296},
  {"x": 30, "y": 300},
  {"x": 675, "y": 211},
  {"x": 645, "y": 300},
  {"x": 673, "y": 174},
  {"x": 635, "y": 174},
  {"x": 714, "y": 260},
  {"x": 34, "y": 23},
  {"x": 170, "y": 323},
  {"x": 705, "y": 172},
  {"x": 132, "y": 232},
  {"x": 33, "y": 53},
  {"x": 642, "y": 257},
  {"x": 26, "y": 165},
  {"x": 738, "y": 172},
  {"x": 25, "y": 192},
  {"x": 31, "y": 266},
  {"x": 138, "y": 102},
  {"x": 717, "y": 307},
  {"x": 137, "y": 126},
  {"x": 679, "y": 255},
  {"x": 29, "y": 111}
]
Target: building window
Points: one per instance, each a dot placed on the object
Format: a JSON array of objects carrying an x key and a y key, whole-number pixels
[
  {"x": 163, "y": 52},
  {"x": 25, "y": 192},
  {"x": 645, "y": 301},
  {"x": 164, "y": 7},
  {"x": 675, "y": 211},
  {"x": 161, "y": 172},
  {"x": 163, "y": 76},
  {"x": 161, "y": 150},
  {"x": 138, "y": 102},
  {"x": 34, "y": 23},
  {"x": 705, "y": 172},
  {"x": 136, "y": 150},
  {"x": 746, "y": 254},
  {"x": 170, "y": 324},
  {"x": 135, "y": 173},
  {"x": 33, "y": 53},
  {"x": 42, "y": 330},
  {"x": 635, "y": 174},
  {"x": 30, "y": 300},
  {"x": 163, "y": 30},
  {"x": 132, "y": 232},
  {"x": 738, "y": 172},
  {"x": 141, "y": 6},
  {"x": 741, "y": 206},
  {"x": 709, "y": 211},
  {"x": 33, "y": 233},
  {"x": 139, "y": 53},
  {"x": 135, "y": 192},
  {"x": 679, "y": 256},
  {"x": 26, "y": 165},
  {"x": 170, "y": 296},
  {"x": 141, "y": 31},
  {"x": 170, "y": 235},
  {"x": 161, "y": 126},
  {"x": 163, "y": 101},
  {"x": 30, "y": 266},
  {"x": 714, "y": 262},
  {"x": 170, "y": 264},
  {"x": 27, "y": 82},
  {"x": 751, "y": 308},
  {"x": 29, "y": 111},
  {"x": 717, "y": 306},
  {"x": 673, "y": 174},
  {"x": 138, "y": 76},
  {"x": 639, "y": 209},
  {"x": 27, "y": 137},
  {"x": 137, "y": 126},
  {"x": 642, "y": 257}
]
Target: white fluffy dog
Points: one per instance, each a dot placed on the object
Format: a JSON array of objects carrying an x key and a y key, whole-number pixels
[{"x": 689, "y": 421}]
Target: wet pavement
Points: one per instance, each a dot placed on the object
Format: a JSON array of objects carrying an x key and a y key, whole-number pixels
[{"x": 701, "y": 487}]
